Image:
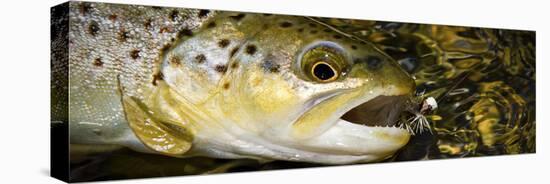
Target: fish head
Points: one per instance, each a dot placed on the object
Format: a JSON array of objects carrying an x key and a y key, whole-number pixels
[
  {"x": 308, "y": 92},
  {"x": 274, "y": 87}
]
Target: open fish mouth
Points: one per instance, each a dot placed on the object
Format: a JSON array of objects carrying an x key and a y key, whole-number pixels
[
  {"x": 382, "y": 111},
  {"x": 368, "y": 129}
]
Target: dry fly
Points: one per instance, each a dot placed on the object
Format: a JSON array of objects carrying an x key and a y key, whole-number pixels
[{"x": 415, "y": 120}]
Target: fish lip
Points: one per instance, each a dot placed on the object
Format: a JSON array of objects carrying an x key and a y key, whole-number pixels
[{"x": 322, "y": 98}]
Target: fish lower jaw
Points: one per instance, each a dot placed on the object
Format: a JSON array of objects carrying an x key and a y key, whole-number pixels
[
  {"x": 348, "y": 138},
  {"x": 345, "y": 143}
]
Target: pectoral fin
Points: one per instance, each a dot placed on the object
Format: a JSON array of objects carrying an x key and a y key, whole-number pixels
[{"x": 164, "y": 137}]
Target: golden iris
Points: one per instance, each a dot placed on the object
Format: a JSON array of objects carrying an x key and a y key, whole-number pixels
[{"x": 323, "y": 64}]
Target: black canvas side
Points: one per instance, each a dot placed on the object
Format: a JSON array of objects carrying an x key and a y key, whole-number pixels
[{"x": 59, "y": 82}]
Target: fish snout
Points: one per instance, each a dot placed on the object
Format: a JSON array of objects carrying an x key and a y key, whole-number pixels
[{"x": 381, "y": 72}]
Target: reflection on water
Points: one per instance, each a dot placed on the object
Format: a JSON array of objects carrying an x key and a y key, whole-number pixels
[{"x": 483, "y": 80}]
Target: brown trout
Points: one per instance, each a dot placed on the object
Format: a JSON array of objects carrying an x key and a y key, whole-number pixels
[{"x": 187, "y": 82}]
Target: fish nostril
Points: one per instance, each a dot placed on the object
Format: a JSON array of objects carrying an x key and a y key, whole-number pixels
[{"x": 374, "y": 62}]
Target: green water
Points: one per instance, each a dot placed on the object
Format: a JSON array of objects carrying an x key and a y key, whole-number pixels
[{"x": 483, "y": 79}]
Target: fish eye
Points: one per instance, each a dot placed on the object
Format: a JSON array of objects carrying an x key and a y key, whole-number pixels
[
  {"x": 323, "y": 63},
  {"x": 322, "y": 71}
]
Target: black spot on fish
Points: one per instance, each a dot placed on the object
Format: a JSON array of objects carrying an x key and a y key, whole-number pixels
[
  {"x": 336, "y": 36},
  {"x": 113, "y": 17},
  {"x": 234, "y": 65},
  {"x": 147, "y": 24},
  {"x": 134, "y": 54},
  {"x": 223, "y": 43},
  {"x": 211, "y": 25},
  {"x": 267, "y": 14},
  {"x": 85, "y": 8},
  {"x": 250, "y": 49},
  {"x": 226, "y": 85},
  {"x": 353, "y": 47},
  {"x": 203, "y": 13},
  {"x": 123, "y": 35},
  {"x": 270, "y": 66},
  {"x": 312, "y": 25},
  {"x": 174, "y": 15},
  {"x": 326, "y": 30},
  {"x": 176, "y": 61},
  {"x": 285, "y": 24},
  {"x": 93, "y": 28},
  {"x": 313, "y": 31},
  {"x": 265, "y": 26},
  {"x": 221, "y": 68},
  {"x": 97, "y": 62},
  {"x": 301, "y": 30},
  {"x": 201, "y": 58},
  {"x": 185, "y": 32},
  {"x": 158, "y": 76},
  {"x": 238, "y": 17},
  {"x": 233, "y": 51}
]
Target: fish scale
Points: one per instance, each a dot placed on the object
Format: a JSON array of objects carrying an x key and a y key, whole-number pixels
[{"x": 94, "y": 91}]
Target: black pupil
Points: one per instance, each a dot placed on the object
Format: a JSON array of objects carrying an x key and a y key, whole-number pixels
[{"x": 323, "y": 71}]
